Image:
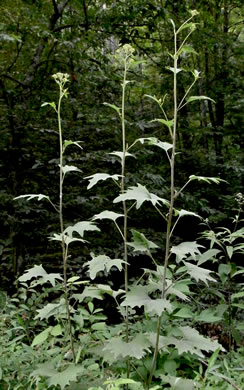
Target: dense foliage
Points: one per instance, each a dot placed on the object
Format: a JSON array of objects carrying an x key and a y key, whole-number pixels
[{"x": 150, "y": 116}]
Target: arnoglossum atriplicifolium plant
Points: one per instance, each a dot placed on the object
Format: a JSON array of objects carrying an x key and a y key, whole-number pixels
[
  {"x": 145, "y": 349},
  {"x": 159, "y": 291}
]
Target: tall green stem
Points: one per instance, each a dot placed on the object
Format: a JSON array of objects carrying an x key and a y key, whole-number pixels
[
  {"x": 171, "y": 208},
  {"x": 124, "y": 205},
  {"x": 64, "y": 247}
]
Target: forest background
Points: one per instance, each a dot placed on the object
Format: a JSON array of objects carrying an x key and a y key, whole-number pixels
[{"x": 41, "y": 37}]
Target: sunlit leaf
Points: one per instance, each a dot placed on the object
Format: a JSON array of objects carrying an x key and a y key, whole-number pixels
[
  {"x": 103, "y": 263},
  {"x": 107, "y": 215},
  {"x": 199, "y": 273},
  {"x": 52, "y": 309},
  {"x": 156, "y": 142},
  {"x": 121, "y": 154},
  {"x": 182, "y": 213},
  {"x": 39, "y": 273},
  {"x": 138, "y": 297},
  {"x": 208, "y": 180},
  {"x": 94, "y": 179},
  {"x": 136, "y": 348},
  {"x": 182, "y": 250},
  {"x": 80, "y": 228},
  {"x": 59, "y": 378},
  {"x": 140, "y": 194},
  {"x": 208, "y": 255},
  {"x": 70, "y": 168},
  {"x": 32, "y": 196},
  {"x": 41, "y": 337}
]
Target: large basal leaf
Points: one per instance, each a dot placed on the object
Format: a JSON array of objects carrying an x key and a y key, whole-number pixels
[
  {"x": 136, "y": 348},
  {"x": 199, "y": 273},
  {"x": 94, "y": 179},
  {"x": 59, "y": 378},
  {"x": 107, "y": 215},
  {"x": 140, "y": 194},
  {"x": 138, "y": 296},
  {"x": 103, "y": 263},
  {"x": 38, "y": 272},
  {"x": 52, "y": 309},
  {"x": 185, "y": 248},
  {"x": 191, "y": 341},
  {"x": 141, "y": 243}
]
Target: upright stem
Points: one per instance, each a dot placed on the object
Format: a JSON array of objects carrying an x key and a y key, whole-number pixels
[
  {"x": 64, "y": 248},
  {"x": 171, "y": 209},
  {"x": 124, "y": 204}
]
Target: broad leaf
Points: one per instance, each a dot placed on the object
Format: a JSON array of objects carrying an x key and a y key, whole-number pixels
[
  {"x": 138, "y": 296},
  {"x": 102, "y": 263},
  {"x": 199, "y": 273},
  {"x": 52, "y": 309},
  {"x": 208, "y": 315},
  {"x": 184, "y": 312},
  {"x": 185, "y": 248},
  {"x": 107, "y": 215},
  {"x": 41, "y": 337},
  {"x": 56, "y": 330},
  {"x": 136, "y": 348},
  {"x": 191, "y": 341},
  {"x": 38, "y": 272},
  {"x": 156, "y": 142},
  {"x": 121, "y": 154},
  {"x": 140, "y": 194},
  {"x": 70, "y": 168},
  {"x": 141, "y": 243},
  {"x": 208, "y": 255},
  {"x": 81, "y": 228},
  {"x": 94, "y": 179},
  {"x": 59, "y": 378},
  {"x": 182, "y": 213},
  {"x": 67, "y": 239}
]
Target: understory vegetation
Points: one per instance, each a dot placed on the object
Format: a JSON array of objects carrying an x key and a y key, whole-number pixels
[{"x": 135, "y": 284}]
